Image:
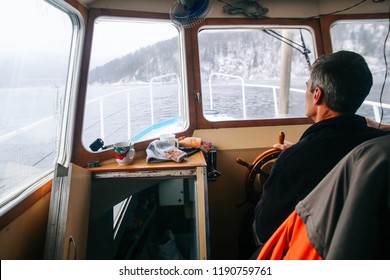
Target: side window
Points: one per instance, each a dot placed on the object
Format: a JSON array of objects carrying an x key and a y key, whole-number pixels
[
  {"x": 367, "y": 38},
  {"x": 252, "y": 73},
  {"x": 36, "y": 43},
  {"x": 136, "y": 85}
]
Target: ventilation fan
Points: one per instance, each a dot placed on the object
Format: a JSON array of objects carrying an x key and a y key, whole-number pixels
[{"x": 188, "y": 13}]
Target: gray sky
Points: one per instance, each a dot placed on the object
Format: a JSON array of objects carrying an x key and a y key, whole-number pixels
[
  {"x": 114, "y": 39},
  {"x": 111, "y": 39}
]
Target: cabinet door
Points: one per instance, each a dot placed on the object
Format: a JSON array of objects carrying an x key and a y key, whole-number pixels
[{"x": 67, "y": 229}]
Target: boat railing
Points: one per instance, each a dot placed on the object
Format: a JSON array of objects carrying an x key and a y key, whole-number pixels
[
  {"x": 376, "y": 107},
  {"x": 152, "y": 83},
  {"x": 101, "y": 101},
  {"x": 242, "y": 82},
  {"x": 245, "y": 85}
]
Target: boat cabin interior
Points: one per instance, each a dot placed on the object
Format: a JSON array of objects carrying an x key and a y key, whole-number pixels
[{"x": 226, "y": 77}]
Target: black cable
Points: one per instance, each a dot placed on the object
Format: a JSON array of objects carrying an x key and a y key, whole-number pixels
[
  {"x": 305, "y": 50},
  {"x": 339, "y": 11},
  {"x": 291, "y": 43},
  {"x": 386, "y": 70},
  {"x": 285, "y": 40}
]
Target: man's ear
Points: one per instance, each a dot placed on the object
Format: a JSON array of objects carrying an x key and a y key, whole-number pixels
[{"x": 318, "y": 96}]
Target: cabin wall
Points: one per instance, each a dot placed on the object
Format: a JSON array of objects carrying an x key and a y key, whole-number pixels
[
  {"x": 229, "y": 189},
  {"x": 24, "y": 237}
]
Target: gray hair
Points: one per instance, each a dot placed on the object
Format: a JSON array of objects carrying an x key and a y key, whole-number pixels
[{"x": 345, "y": 79}]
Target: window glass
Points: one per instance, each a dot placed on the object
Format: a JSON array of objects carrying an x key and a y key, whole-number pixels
[
  {"x": 35, "y": 50},
  {"x": 135, "y": 87},
  {"x": 367, "y": 38},
  {"x": 254, "y": 73}
]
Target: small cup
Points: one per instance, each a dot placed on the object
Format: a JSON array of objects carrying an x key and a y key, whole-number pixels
[
  {"x": 124, "y": 153},
  {"x": 170, "y": 138}
]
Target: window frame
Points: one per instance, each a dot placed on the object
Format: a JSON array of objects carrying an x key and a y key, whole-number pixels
[
  {"x": 331, "y": 21},
  {"x": 176, "y": 112},
  {"x": 42, "y": 186},
  {"x": 81, "y": 156},
  {"x": 327, "y": 22},
  {"x": 202, "y": 122}
]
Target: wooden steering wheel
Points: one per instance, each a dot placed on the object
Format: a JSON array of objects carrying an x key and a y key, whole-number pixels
[{"x": 258, "y": 173}]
